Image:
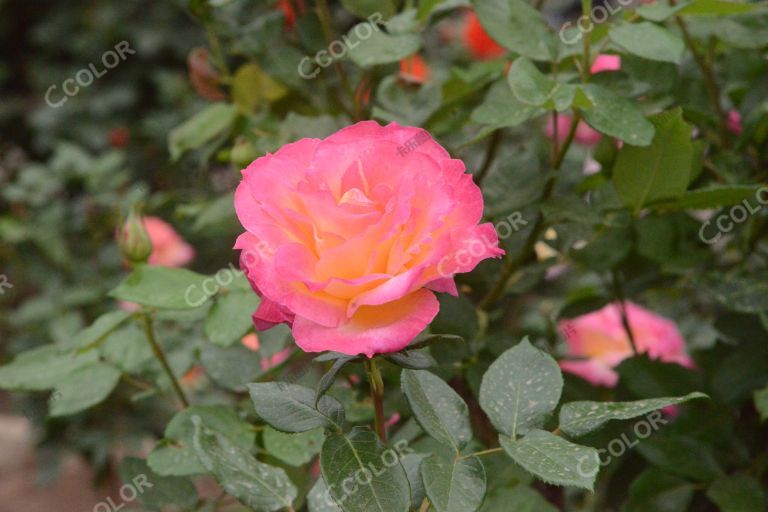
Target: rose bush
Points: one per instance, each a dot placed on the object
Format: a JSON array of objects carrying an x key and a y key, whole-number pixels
[{"x": 469, "y": 235}]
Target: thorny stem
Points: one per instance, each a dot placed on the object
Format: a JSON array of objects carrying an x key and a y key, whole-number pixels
[
  {"x": 377, "y": 395},
  {"x": 160, "y": 355}
]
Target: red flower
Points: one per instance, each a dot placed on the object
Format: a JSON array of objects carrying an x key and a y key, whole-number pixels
[
  {"x": 477, "y": 40},
  {"x": 118, "y": 137},
  {"x": 414, "y": 69},
  {"x": 289, "y": 12}
]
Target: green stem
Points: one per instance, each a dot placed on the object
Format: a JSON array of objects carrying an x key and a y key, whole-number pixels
[
  {"x": 324, "y": 14},
  {"x": 377, "y": 395},
  {"x": 490, "y": 156},
  {"x": 713, "y": 91},
  {"x": 586, "y": 8},
  {"x": 160, "y": 355},
  {"x": 619, "y": 292},
  {"x": 481, "y": 453}
]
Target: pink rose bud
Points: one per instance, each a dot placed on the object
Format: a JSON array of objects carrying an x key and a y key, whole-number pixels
[
  {"x": 134, "y": 240},
  {"x": 600, "y": 342},
  {"x": 169, "y": 249},
  {"x": 734, "y": 122},
  {"x": 606, "y": 63},
  {"x": 348, "y": 238}
]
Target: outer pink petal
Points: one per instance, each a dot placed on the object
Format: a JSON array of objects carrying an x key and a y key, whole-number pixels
[
  {"x": 374, "y": 329},
  {"x": 593, "y": 371}
]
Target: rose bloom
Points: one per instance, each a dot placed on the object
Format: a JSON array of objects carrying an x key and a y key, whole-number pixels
[
  {"x": 606, "y": 62},
  {"x": 414, "y": 69},
  {"x": 168, "y": 248},
  {"x": 585, "y": 135},
  {"x": 600, "y": 339},
  {"x": 477, "y": 40},
  {"x": 734, "y": 122},
  {"x": 347, "y": 238}
]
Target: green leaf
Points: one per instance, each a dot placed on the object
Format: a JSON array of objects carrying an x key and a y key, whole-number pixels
[
  {"x": 98, "y": 331},
  {"x": 206, "y": 125},
  {"x": 617, "y": 116},
  {"x": 375, "y": 480},
  {"x": 642, "y": 175},
  {"x": 440, "y": 411},
  {"x": 232, "y": 367},
  {"x": 230, "y": 317},
  {"x": 608, "y": 248},
  {"x": 518, "y": 27},
  {"x": 520, "y": 389},
  {"x": 412, "y": 464},
  {"x": 659, "y": 491},
  {"x": 520, "y": 498},
  {"x": 553, "y": 459},
  {"x": 718, "y": 8},
  {"x": 291, "y": 408},
  {"x": 380, "y": 47},
  {"x": 128, "y": 349},
  {"x": 412, "y": 359},
  {"x": 175, "y": 454},
  {"x": 255, "y": 484},
  {"x": 162, "y": 287},
  {"x": 705, "y": 198},
  {"x": 428, "y": 7},
  {"x": 365, "y": 8},
  {"x": 683, "y": 456},
  {"x": 83, "y": 388},
  {"x": 658, "y": 11},
  {"x": 534, "y": 88},
  {"x": 649, "y": 41},
  {"x": 737, "y": 493},
  {"x": 293, "y": 449},
  {"x": 579, "y": 418},
  {"x": 320, "y": 499},
  {"x": 42, "y": 368},
  {"x": 501, "y": 108},
  {"x": 650, "y": 378},
  {"x": 761, "y": 403},
  {"x": 155, "y": 491},
  {"x": 251, "y": 86},
  {"x": 453, "y": 484},
  {"x": 326, "y": 381},
  {"x": 747, "y": 294}
]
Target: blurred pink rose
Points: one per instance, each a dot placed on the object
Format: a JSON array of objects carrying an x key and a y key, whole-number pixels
[
  {"x": 348, "y": 237},
  {"x": 605, "y": 62},
  {"x": 584, "y": 134},
  {"x": 168, "y": 248},
  {"x": 734, "y": 122},
  {"x": 251, "y": 342},
  {"x": 601, "y": 341}
]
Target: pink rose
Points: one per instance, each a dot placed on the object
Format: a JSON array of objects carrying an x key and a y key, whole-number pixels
[
  {"x": 605, "y": 62},
  {"x": 584, "y": 134},
  {"x": 734, "y": 122},
  {"x": 251, "y": 342},
  {"x": 168, "y": 248},
  {"x": 600, "y": 340},
  {"x": 348, "y": 237}
]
